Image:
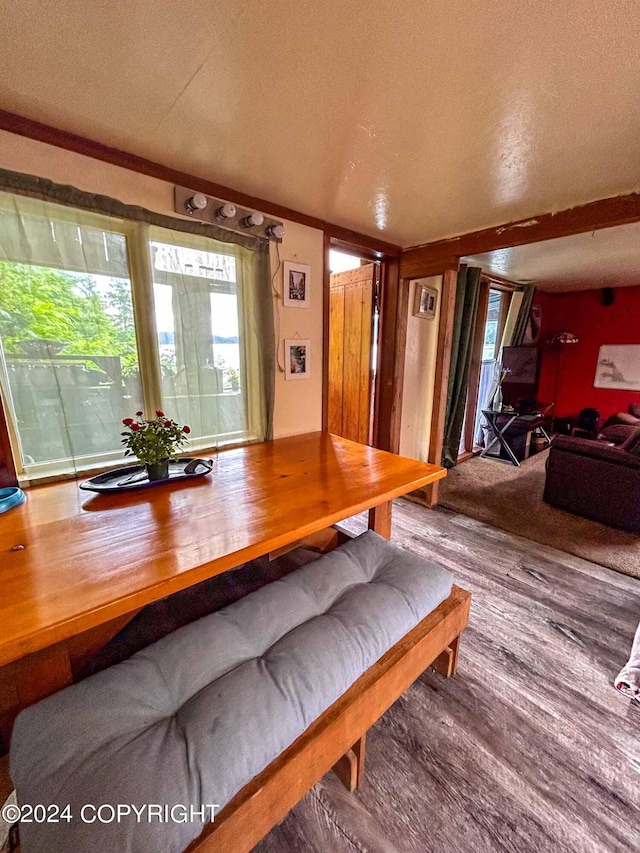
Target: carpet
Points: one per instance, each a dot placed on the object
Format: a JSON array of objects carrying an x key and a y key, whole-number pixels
[{"x": 511, "y": 498}]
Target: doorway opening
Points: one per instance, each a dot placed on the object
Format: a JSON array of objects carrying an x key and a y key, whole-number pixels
[{"x": 354, "y": 326}]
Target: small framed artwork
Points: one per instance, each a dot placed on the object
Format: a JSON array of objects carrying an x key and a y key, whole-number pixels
[
  {"x": 425, "y": 301},
  {"x": 297, "y": 285},
  {"x": 618, "y": 367},
  {"x": 297, "y": 359}
]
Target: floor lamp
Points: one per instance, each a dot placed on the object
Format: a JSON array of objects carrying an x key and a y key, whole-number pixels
[{"x": 560, "y": 340}]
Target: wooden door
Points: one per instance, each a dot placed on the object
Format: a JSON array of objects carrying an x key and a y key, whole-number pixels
[{"x": 350, "y": 341}]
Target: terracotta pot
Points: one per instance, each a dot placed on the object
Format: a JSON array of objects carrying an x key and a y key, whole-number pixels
[{"x": 158, "y": 471}]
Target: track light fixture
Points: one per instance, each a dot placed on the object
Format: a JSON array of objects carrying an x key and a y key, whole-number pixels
[
  {"x": 196, "y": 202},
  {"x": 251, "y": 220},
  {"x": 224, "y": 214},
  {"x": 276, "y": 232},
  {"x": 227, "y": 211}
]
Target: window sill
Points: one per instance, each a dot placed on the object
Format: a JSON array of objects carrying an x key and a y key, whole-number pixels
[{"x": 85, "y": 472}]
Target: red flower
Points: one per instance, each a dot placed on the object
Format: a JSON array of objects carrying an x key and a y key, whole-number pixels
[
  {"x": 139, "y": 414},
  {"x": 167, "y": 424},
  {"x": 135, "y": 427},
  {"x": 127, "y": 421},
  {"x": 159, "y": 413},
  {"x": 186, "y": 429}
]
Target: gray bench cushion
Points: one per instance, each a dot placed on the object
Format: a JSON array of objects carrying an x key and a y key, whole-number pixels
[{"x": 192, "y": 718}]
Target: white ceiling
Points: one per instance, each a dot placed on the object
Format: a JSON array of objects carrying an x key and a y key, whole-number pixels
[
  {"x": 606, "y": 258},
  {"x": 411, "y": 121}
]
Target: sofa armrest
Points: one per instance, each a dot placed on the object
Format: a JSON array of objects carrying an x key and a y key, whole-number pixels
[
  {"x": 618, "y": 433},
  {"x": 595, "y": 450}
]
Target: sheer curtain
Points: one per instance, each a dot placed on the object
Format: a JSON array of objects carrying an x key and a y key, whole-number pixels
[
  {"x": 102, "y": 316},
  {"x": 213, "y": 335},
  {"x": 67, "y": 339}
]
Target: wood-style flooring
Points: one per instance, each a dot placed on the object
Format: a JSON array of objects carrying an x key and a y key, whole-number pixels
[{"x": 528, "y": 747}]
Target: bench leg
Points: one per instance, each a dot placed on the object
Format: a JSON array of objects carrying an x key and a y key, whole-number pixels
[
  {"x": 350, "y": 768},
  {"x": 447, "y": 661}
]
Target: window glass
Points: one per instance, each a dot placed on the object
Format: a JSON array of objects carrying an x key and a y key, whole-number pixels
[
  {"x": 199, "y": 340},
  {"x": 69, "y": 350},
  {"x": 491, "y": 326}
]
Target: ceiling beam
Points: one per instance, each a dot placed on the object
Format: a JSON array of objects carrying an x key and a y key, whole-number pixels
[
  {"x": 420, "y": 266},
  {"x": 604, "y": 213},
  {"x": 22, "y": 126}
]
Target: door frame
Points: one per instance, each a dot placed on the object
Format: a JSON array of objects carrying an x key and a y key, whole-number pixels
[
  {"x": 387, "y": 388},
  {"x": 353, "y": 323}
]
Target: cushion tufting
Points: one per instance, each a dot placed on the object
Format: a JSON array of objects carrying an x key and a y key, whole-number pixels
[{"x": 192, "y": 718}]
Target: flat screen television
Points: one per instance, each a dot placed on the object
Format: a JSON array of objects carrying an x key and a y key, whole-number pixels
[{"x": 521, "y": 382}]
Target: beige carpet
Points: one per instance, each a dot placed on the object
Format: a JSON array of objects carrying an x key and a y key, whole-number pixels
[{"x": 511, "y": 498}]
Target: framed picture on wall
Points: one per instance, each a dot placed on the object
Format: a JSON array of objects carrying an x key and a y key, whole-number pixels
[
  {"x": 618, "y": 367},
  {"x": 297, "y": 285},
  {"x": 425, "y": 300},
  {"x": 297, "y": 359}
]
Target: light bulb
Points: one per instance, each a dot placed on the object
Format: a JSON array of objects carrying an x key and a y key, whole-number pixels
[
  {"x": 197, "y": 202},
  {"x": 227, "y": 211},
  {"x": 275, "y": 231},
  {"x": 251, "y": 220}
]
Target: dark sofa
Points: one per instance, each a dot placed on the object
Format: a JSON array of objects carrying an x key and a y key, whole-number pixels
[{"x": 595, "y": 480}]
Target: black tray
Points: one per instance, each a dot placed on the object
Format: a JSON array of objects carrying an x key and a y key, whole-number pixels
[{"x": 135, "y": 476}]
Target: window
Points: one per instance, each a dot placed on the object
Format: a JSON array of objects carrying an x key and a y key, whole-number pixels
[
  {"x": 198, "y": 325},
  {"x": 101, "y": 317},
  {"x": 494, "y": 324}
]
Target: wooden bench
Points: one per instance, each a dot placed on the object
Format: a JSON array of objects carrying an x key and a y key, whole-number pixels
[{"x": 336, "y": 738}]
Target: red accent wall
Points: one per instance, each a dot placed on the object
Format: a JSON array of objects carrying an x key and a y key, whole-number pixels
[{"x": 583, "y": 313}]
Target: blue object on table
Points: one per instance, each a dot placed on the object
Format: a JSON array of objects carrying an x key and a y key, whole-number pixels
[{"x": 11, "y": 497}]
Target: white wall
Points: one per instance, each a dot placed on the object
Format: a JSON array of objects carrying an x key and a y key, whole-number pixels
[
  {"x": 300, "y": 401},
  {"x": 419, "y": 376},
  {"x": 298, "y": 405}
]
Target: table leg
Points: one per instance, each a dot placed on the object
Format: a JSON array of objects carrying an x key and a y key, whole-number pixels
[
  {"x": 29, "y": 679},
  {"x": 380, "y": 519},
  {"x": 499, "y": 436},
  {"x": 503, "y": 441},
  {"x": 545, "y": 434}
]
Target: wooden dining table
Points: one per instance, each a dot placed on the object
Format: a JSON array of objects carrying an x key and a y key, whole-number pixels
[{"x": 76, "y": 566}]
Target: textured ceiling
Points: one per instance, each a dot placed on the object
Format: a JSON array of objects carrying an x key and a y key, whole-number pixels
[
  {"x": 606, "y": 258},
  {"x": 411, "y": 121}
]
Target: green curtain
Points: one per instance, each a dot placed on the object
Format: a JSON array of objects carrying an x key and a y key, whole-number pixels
[
  {"x": 522, "y": 320},
  {"x": 464, "y": 323}
]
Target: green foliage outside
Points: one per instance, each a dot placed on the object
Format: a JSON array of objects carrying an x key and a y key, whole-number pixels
[{"x": 42, "y": 303}]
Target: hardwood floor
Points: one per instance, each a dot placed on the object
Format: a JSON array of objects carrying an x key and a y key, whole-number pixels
[{"x": 528, "y": 747}]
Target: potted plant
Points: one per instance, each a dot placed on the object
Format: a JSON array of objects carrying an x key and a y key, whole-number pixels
[{"x": 154, "y": 441}]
